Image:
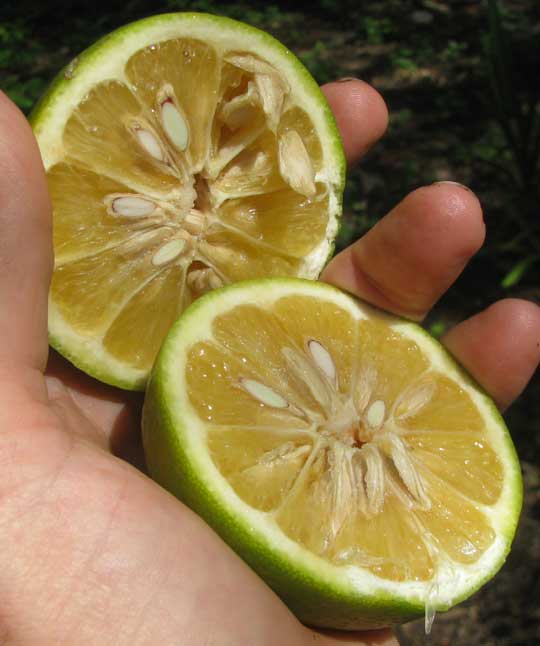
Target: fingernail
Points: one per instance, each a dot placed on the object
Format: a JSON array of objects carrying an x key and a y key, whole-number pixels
[
  {"x": 346, "y": 79},
  {"x": 447, "y": 181}
]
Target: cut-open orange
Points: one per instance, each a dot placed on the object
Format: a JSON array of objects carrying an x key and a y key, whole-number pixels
[
  {"x": 183, "y": 152},
  {"x": 339, "y": 450}
]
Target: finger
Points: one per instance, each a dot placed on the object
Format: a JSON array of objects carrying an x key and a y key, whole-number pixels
[
  {"x": 365, "y": 638},
  {"x": 361, "y": 115},
  {"x": 410, "y": 257},
  {"x": 500, "y": 347},
  {"x": 25, "y": 242}
]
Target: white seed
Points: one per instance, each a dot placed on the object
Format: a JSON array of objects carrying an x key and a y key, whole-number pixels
[
  {"x": 374, "y": 478},
  {"x": 413, "y": 401},
  {"x": 220, "y": 254},
  {"x": 295, "y": 165},
  {"x": 214, "y": 280},
  {"x": 323, "y": 359},
  {"x": 272, "y": 92},
  {"x": 149, "y": 142},
  {"x": 264, "y": 394},
  {"x": 132, "y": 206},
  {"x": 251, "y": 64},
  {"x": 169, "y": 251},
  {"x": 196, "y": 279},
  {"x": 343, "y": 486},
  {"x": 303, "y": 369},
  {"x": 406, "y": 469},
  {"x": 241, "y": 109},
  {"x": 365, "y": 385},
  {"x": 271, "y": 86},
  {"x": 375, "y": 413},
  {"x": 202, "y": 280},
  {"x": 174, "y": 124},
  {"x": 194, "y": 222}
]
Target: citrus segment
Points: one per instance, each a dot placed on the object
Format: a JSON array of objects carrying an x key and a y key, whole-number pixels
[
  {"x": 260, "y": 464},
  {"x": 364, "y": 462},
  {"x": 448, "y": 457},
  {"x": 91, "y": 311},
  {"x": 104, "y": 134},
  {"x": 212, "y": 391},
  {"x": 458, "y": 528},
  {"x": 385, "y": 380},
  {"x": 148, "y": 315},
  {"x": 84, "y": 224},
  {"x": 438, "y": 413},
  {"x": 284, "y": 222},
  {"x": 196, "y": 131},
  {"x": 254, "y": 171}
]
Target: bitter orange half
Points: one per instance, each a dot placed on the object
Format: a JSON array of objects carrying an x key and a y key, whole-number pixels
[
  {"x": 183, "y": 152},
  {"x": 340, "y": 451}
]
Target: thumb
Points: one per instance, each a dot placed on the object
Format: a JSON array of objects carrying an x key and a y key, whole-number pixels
[{"x": 25, "y": 243}]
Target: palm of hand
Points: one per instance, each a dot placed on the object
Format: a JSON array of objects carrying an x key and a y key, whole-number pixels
[
  {"x": 92, "y": 551},
  {"x": 105, "y": 541}
]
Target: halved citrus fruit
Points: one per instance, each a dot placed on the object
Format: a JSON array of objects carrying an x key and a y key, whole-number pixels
[
  {"x": 340, "y": 451},
  {"x": 183, "y": 152}
]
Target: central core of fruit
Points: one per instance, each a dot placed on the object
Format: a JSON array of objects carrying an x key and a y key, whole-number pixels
[
  {"x": 363, "y": 451},
  {"x": 242, "y": 143}
]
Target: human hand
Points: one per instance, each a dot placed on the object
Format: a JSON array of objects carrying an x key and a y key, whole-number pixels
[{"x": 92, "y": 551}]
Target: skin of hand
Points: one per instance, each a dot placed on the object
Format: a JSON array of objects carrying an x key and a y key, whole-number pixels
[{"x": 91, "y": 550}]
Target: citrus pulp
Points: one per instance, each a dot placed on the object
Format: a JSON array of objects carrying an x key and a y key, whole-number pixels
[
  {"x": 340, "y": 451},
  {"x": 183, "y": 152}
]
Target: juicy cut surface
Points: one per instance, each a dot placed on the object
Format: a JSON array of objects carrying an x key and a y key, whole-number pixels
[
  {"x": 346, "y": 435},
  {"x": 194, "y": 170}
]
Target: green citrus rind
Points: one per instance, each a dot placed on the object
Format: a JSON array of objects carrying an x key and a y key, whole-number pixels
[
  {"x": 319, "y": 593},
  {"x": 105, "y": 59}
]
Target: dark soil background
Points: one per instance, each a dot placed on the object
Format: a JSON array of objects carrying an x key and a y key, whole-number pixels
[{"x": 461, "y": 79}]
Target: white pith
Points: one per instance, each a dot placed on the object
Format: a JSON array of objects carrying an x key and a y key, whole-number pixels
[
  {"x": 452, "y": 580},
  {"x": 108, "y": 63}
]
